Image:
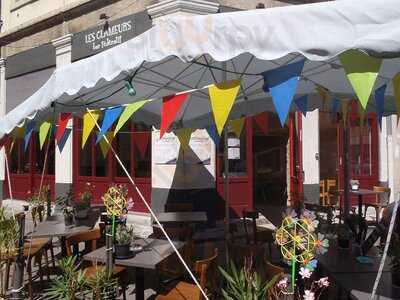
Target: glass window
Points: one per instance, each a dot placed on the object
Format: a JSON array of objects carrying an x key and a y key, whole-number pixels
[
  {"x": 123, "y": 148},
  {"x": 142, "y": 151},
  {"x": 236, "y": 154},
  {"x": 85, "y": 157},
  {"x": 361, "y": 147},
  {"x": 41, "y": 154}
]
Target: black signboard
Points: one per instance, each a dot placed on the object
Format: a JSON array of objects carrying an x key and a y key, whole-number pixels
[{"x": 100, "y": 38}]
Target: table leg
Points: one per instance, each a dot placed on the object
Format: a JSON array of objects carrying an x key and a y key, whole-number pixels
[
  {"x": 139, "y": 283},
  {"x": 63, "y": 247}
]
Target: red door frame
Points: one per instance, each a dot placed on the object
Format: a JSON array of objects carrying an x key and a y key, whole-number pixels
[
  {"x": 102, "y": 183},
  {"x": 295, "y": 158},
  {"x": 27, "y": 183},
  {"x": 366, "y": 181},
  {"x": 240, "y": 188}
]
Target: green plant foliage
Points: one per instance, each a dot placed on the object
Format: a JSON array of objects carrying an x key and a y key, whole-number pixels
[
  {"x": 68, "y": 285},
  {"x": 245, "y": 284},
  {"x": 9, "y": 232},
  {"x": 103, "y": 285},
  {"x": 124, "y": 235}
]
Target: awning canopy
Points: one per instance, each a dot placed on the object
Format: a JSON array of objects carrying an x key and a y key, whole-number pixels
[{"x": 185, "y": 53}]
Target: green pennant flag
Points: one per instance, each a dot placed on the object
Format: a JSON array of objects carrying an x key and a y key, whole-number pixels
[
  {"x": 184, "y": 135},
  {"x": 362, "y": 71},
  {"x": 43, "y": 132},
  {"x": 127, "y": 113}
]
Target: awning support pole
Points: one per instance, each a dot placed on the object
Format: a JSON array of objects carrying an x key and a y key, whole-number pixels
[{"x": 148, "y": 207}]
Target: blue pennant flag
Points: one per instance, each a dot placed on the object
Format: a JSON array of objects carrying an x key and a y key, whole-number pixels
[
  {"x": 302, "y": 104},
  {"x": 380, "y": 102},
  {"x": 213, "y": 133},
  {"x": 335, "y": 105},
  {"x": 63, "y": 139},
  {"x": 28, "y": 133},
  {"x": 282, "y": 83},
  {"x": 110, "y": 116}
]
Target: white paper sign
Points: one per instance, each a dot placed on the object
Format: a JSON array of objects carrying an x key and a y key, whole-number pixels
[
  {"x": 233, "y": 153},
  {"x": 200, "y": 153},
  {"x": 166, "y": 150}
]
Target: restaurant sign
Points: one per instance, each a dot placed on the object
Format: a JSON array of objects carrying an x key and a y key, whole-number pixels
[{"x": 100, "y": 38}]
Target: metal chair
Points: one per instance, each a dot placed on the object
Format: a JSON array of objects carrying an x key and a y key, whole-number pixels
[{"x": 381, "y": 202}]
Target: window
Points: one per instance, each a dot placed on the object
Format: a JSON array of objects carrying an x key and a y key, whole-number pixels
[
  {"x": 236, "y": 154},
  {"x": 142, "y": 151},
  {"x": 19, "y": 160},
  {"x": 41, "y": 154}
]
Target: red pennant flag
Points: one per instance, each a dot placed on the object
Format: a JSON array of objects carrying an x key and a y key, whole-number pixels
[
  {"x": 62, "y": 124},
  {"x": 3, "y": 141},
  {"x": 142, "y": 140},
  {"x": 170, "y": 107},
  {"x": 262, "y": 122}
]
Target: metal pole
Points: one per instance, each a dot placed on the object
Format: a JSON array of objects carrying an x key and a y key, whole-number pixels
[
  {"x": 18, "y": 284},
  {"x": 226, "y": 191},
  {"x": 109, "y": 249}
]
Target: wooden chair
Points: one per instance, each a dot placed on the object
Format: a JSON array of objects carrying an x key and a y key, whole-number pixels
[
  {"x": 206, "y": 272},
  {"x": 178, "y": 207},
  {"x": 330, "y": 184},
  {"x": 91, "y": 237},
  {"x": 322, "y": 192},
  {"x": 256, "y": 234},
  {"x": 271, "y": 271},
  {"x": 381, "y": 202}
]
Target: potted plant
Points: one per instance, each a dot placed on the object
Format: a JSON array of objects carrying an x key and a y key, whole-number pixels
[
  {"x": 69, "y": 218},
  {"x": 82, "y": 205},
  {"x": 123, "y": 239},
  {"x": 394, "y": 253},
  {"x": 103, "y": 285},
  {"x": 70, "y": 284},
  {"x": 245, "y": 283}
]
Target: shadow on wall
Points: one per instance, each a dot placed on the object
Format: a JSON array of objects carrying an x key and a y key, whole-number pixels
[{"x": 192, "y": 183}]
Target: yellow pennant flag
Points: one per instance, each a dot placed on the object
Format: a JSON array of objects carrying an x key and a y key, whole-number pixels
[
  {"x": 222, "y": 96},
  {"x": 104, "y": 146},
  {"x": 237, "y": 126},
  {"x": 396, "y": 89},
  {"x": 127, "y": 113},
  {"x": 88, "y": 124},
  {"x": 43, "y": 132},
  {"x": 362, "y": 71},
  {"x": 183, "y": 135}
]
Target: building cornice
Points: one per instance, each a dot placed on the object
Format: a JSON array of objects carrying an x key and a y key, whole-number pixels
[{"x": 167, "y": 7}]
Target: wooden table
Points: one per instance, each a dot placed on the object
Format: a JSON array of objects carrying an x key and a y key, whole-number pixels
[
  {"x": 54, "y": 226},
  {"x": 154, "y": 251},
  {"x": 191, "y": 217}
]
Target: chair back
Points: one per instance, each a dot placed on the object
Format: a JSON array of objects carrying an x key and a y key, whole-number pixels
[
  {"x": 272, "y": 270},
  {"x": 250, "y": 216},
  {"x": 91, "y": 236},
  {"x": 178, "y": 207},
  {"x": 330, "y": 184},
  {"x": 206, "y": 269},
  {"x": 322, "y": 193},
  {"x": 383, "y": 191}
]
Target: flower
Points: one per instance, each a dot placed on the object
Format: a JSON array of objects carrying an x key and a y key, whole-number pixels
[
  {"x": 308, "y": 295},
  {"x": 312, "y": 264},
  {"x": 321, "y": 244},
  {"x": 305, "y": 273},
  {"x": 323, "y": 282},
  {"x": 130, "y": 203},
  {"x": 282, "y": 284},
  {"x": 310, "y": 219},
  {"x": 290, "y": 215}
]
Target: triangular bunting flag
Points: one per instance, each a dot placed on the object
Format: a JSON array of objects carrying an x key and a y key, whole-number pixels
[
  {"x": 212, "y": 132},
  {"x": 380, "y": 102},
  {"x": 170, "y": 107},
  {"x": 362, "y": 71},
  {"x": 28, "y": 133},
  {"x": 64, "y": 139},
  {"x": 222, "y": 96},
  {"x": 104, "y": 146},
  {"x": 237, "y": 126},
  {"x": 262, "y": 122},
  {"x": 361, "y": 113},
  {"x": 43, "y": 132},
  {"x": 19, "y": 132},
  {"x": 324, "y": 94},
  {"x": 282, "y": 84},
  {"x": 4, "y": 140},
  {"x": 127, "y": 113},
  {"x": 141, "y": 140},
  {"x": 396, "y": 89},
  {"x": 302, "y": 104},
  {"x": 183, "y": 135},
  {"x": 89, "y": 124},
  {"x": 110, "y": 116},
  {"x": 335, "y": 105},
  {"x": 62, "y": 124}
]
